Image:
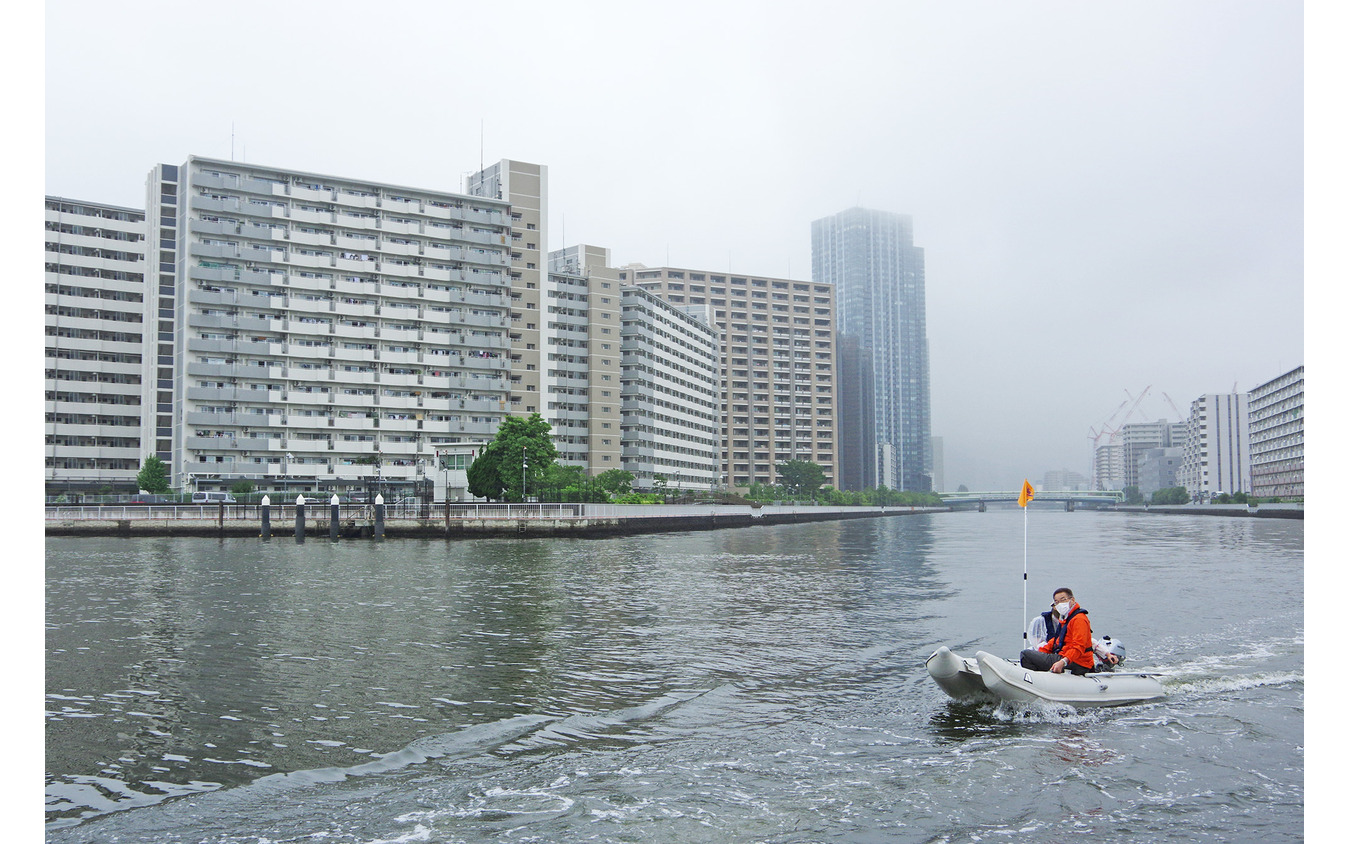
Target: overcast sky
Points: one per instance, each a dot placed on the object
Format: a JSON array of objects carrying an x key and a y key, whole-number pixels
[{"x": 1109, "y": 195}]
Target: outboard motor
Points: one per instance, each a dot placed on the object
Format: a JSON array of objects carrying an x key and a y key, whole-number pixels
[{"x": 1107, "y": 645}]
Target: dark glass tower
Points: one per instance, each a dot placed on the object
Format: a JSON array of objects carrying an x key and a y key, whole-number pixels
[{"x": 885, "y": 413}]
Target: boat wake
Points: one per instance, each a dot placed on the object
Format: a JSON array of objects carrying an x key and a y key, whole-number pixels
[
  {"x": 510, "y": 736},
  {"x": 1208, "y": 684},
  {"x": 1023, "y": 712}
]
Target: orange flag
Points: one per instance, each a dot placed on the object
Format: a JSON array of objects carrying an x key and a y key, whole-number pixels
[{"x": 1028, "y": 493}]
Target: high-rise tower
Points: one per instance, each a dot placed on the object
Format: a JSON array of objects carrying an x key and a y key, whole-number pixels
[{"x": 878, "y": 274}]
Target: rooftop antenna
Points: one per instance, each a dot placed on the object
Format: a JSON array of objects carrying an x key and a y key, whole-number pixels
[
  {"x": 480, "y": 145},
  {"x": 232, "y": 140}
]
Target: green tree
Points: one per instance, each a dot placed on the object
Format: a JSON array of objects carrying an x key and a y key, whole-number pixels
[
  {"x": 482, "y": 475},
  {"x": 1133, "y": 495},
  {"x": 1171, "y": 495},
  {"x": 800, "y": 478},
  {"x": 568, "y": 483},
  {"x": 615, "y": 481},
  {"x": 516, "y": 462},
  {"x": 241, "y": 487},
  {"x": 154, "y": 476}
]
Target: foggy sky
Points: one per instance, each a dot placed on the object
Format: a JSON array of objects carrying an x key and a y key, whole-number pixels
[{"x": 1109, "y": 196}]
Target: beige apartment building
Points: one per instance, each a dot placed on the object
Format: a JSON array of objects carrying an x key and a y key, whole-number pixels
[
  {"x": 525, "y": 187},
  {"x": 565, "y": 332},
  {"x": 582, "y": 358},
  {"x": 778, "y": 366}
]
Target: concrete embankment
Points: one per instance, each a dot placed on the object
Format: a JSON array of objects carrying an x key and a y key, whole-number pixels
[
  {"x": 698, "y": 518},
  {"x": 1262, "y": 511}
]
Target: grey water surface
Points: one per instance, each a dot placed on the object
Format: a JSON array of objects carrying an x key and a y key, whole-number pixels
[{"x": 751, "y": 684}]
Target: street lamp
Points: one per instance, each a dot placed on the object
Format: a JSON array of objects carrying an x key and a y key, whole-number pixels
[{"x": 524, "y": 461}]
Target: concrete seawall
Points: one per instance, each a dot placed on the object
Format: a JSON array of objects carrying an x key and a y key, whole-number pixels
[
  {"x": 464, "y": 528},
  {"x": 1262, "y": 511}
]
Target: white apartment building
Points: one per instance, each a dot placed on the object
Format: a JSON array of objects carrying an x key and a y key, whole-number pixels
[
  {"x": 1276, "y": 423},
  {"x": 95, "y": 285},
  {"x": 671, "y": 423},
  {"x": 1108, "y": 466},
  {"x": 1217, "y": 457},
  {"x": 326, "y": 333},
  {"x": 778, "y": 364}
]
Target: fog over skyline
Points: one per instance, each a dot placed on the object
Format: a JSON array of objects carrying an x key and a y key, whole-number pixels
[{"x": 1110, "y": 196}]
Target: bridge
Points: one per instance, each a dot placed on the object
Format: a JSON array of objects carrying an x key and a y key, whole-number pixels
[{"x": 1069, "y": 498}]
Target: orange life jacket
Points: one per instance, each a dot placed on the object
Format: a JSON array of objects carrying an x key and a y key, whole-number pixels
[{"x": 1074, "y": 641}]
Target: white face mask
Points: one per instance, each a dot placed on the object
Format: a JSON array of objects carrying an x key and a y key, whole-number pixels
[{"x": 1063, "y": 608}]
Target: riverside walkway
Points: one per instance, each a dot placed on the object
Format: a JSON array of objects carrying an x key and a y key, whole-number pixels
[{"x": 440, "y": 520}]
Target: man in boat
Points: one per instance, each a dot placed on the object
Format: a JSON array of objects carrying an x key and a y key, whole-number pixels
[{"x": 1071, "y": 646}]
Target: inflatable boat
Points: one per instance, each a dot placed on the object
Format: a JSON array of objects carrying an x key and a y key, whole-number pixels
[
  {"x": 964, "y": 678},
  {"x": 959, "y": 676}
]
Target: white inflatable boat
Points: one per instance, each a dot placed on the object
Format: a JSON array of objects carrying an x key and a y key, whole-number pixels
[
  {"x": 959, "y": 676},
  {"x": 966, "y": 679}
]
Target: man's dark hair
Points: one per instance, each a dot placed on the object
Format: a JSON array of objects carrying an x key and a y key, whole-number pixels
[{"x": 1064, "y": 589}]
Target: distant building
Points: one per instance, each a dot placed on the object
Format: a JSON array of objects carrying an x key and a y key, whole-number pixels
[
  {"x": 1217, "y": 456},
  {"x": 1136, "y": 438},
  {"x": 1276, "y": 423},
  {"x": 856, "y": 428},
  {"x": 1158, "y": 469},
  {"x": 1065, "y": 480},
  {"x": 94, "y": 312},
  {"x": 1108, "y": 468},
  {"x": 939, "y": 473},
  {"x": 870, "y": 259}
]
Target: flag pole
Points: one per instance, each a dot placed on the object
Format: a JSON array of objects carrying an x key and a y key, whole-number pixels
[{"x": 1028, "y": 493}]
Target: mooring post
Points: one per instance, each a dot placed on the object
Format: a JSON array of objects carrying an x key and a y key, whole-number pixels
[
  {"x": 333, "y": 517},
  {"x": 300, "y": 518},
  {"x": 379, "y": 516},
  {"x": 266, "y": 517}
]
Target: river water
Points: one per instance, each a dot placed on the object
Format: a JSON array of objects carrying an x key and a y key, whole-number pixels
[{"x": 752, "y": 684}]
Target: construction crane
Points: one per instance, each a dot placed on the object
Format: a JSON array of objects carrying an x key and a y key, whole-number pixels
[
  {"x": 1180, "y": 416},
  {"x": 1134, "y": 406},
  {"x": 1096, "y": 435},
  {"x": 1106, "y": 429}
]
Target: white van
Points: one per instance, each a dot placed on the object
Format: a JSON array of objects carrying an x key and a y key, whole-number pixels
[{"x": 212, "y": 498}]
